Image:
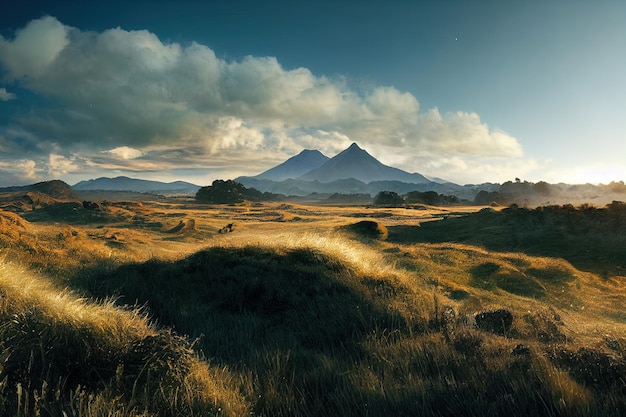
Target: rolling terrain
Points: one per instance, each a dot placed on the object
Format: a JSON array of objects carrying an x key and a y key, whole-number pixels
[{"x": 158, "y": 308}]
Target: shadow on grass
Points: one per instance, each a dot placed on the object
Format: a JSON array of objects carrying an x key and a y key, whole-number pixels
[
  {"x": 310, "y": 337},
  {"x": 489, "y": 276},
  {"x": 591, "y": 239},
  {"x": 284, "y": 300},
  {"x": 295, "y": 319}
]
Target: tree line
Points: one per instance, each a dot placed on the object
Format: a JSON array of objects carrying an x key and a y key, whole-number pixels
[{"x": 232, "y": 192}]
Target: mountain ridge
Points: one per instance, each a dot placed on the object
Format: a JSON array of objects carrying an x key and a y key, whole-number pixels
[
  {"x": 297, "y": 165},
  {"x": 352, "y": 170},
  {"x": 54, "y": 188},
  {"x": 123, "y": 183},
  {"x": 355, "y": 162}
]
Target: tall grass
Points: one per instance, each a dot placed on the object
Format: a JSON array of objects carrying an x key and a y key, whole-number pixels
[
  {"x": 62, "y": 355},
  {"x": 321, "y": 325},
  {"x": 302, "y": 324}
]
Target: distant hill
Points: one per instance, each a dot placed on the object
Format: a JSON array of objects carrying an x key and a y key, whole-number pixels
[
  {"x": 356, "y": 163},
  {"x": 294, "y": 167},
  {"x": 54, "y": 188},
  {"x": 136, "y": 185}
]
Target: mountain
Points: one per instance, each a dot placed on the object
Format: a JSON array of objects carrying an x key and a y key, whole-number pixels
[
  {"x": 353, "y": 171},
  {"x": 137, "y": 185},
  {"x": 295, "y": 166},
  {"x": 55, "y": 188},
  {"x": 356, "y": 163}
]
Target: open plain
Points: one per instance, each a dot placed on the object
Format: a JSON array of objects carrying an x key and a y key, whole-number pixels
[{"x": 167, "y": 307}]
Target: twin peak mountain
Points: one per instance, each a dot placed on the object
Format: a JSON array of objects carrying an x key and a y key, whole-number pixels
[{"x": 351, "y": 171}]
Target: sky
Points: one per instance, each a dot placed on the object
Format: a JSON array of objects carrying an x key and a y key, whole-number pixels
[{"x": 469, "y": 91}]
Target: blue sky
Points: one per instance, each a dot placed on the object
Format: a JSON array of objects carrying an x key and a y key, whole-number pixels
[{"x": 470, "y": 91}]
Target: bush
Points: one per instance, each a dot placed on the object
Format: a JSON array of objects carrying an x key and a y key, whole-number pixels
[
  {"x": 369, "y": 229},
  {"x": 231, "y": 192},
  {"x": 430, "y": 198},
  {"x": 497, "y": 321},
  {"x": 388, "y": 198}
]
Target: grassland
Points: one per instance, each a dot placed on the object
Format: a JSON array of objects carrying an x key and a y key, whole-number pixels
[{"x": 154, "y": 309}]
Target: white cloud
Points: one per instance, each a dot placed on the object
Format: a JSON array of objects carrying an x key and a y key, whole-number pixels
[
  {"x": 5, "y": 95},
  {"x": 34, "y": 47},
  {"x": 59, "y": 165},
  {"x": 464, "y": 133},
  {"x": 119, "y": 95},
  {"x": 124, "y": 152},
  {"x": 27, "y": 168},
  {"x": 17, "y": 172}
]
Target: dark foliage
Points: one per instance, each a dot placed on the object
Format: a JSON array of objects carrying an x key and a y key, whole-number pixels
[
  {"x": 497, "y": 321},
  {"x": 592, "y": 367},
  {"x": 430, "y": 198},
  {"x": 231, "y": 192},
  {"x": 388, "y": 198},
  {"x": 484, "y": 198}
]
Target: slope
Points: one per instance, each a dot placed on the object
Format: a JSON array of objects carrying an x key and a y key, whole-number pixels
[
  {"x": 133, "y": 184},
  {"x": 54, "y": 188},
  {"x": 63, "y": 355},
  {"x": 319, "y": 325},
  {"x": 356, "y": 163},
  {"x": 305, "y": 161}
]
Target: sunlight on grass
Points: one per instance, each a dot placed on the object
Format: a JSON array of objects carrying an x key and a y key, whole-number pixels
[
  {"x": 61, "y": 351},
  {"x": 298, "y": 317}
]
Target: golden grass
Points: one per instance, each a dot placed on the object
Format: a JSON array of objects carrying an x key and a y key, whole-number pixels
[
  {"x": 427, "y": 352},
  {"x": 22, "y": 290},
  {"x": 40, "y": 318}
]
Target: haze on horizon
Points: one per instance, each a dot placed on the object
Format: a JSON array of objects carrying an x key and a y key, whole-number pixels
[{"x": 467, "y": 91}]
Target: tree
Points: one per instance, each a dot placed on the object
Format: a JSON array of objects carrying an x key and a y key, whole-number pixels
[
  {"x": 388, "y": 198},
  {"x": 484, "y": 198},
  {"x": 227, "y": 192}
]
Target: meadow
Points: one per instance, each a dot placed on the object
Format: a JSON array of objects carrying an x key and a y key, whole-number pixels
[{"x": 158, "y": 308}]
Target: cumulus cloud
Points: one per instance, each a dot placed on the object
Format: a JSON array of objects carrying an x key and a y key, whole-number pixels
[
  {"x": 126, "y": 98},
  {"x": 5, "y": 95},
  {"x": 59, "y": 165},
  {"x": 17, "y": 172},
  {"x": 34, "y": 48}
]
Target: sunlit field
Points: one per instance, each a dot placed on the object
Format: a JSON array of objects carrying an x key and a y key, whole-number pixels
[{"x": 173, "y": 308}]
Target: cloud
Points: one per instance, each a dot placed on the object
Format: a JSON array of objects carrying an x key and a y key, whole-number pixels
[
  {"x": 464, "y": 133},
  {"x": 34, "y": 48},
  {"x": 126, "y": 98},
  {"x": 18, "y": 172},
  {"x": 124, "y": 152},
  {"x": 5, "y": 95},
  {"x": 59, "y": 165}
]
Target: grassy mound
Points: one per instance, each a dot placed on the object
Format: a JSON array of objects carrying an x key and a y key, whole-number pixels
[
  {"x": 325, "y": 327},
  {"x": 11, "y": 225},
  {"x": 64, "y": 356},
  {"x": 368, "y": 229}
]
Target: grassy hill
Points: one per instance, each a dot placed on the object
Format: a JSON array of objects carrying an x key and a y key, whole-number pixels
[
  {"x": 325, "y": 326},
  {"x": 65, "y": 356},
  {"x": 591, "y": 238},
  {"x": 283, "y": 320}
]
